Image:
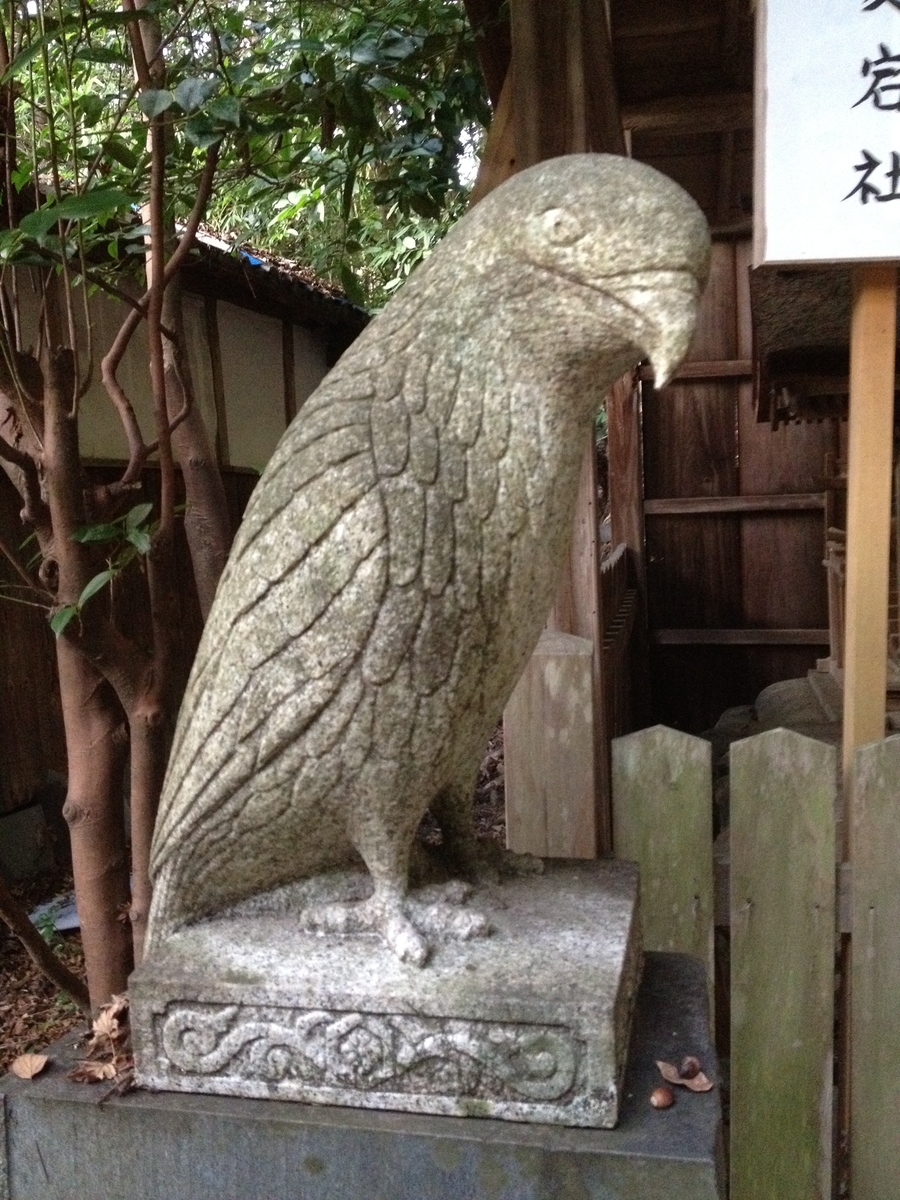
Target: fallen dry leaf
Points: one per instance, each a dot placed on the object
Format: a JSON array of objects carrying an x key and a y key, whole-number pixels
[
  {"x": 698, "y": 1082},
  {"x": 87, "y": 1071},
  {"x": 26, "y": 1066},
  {"x": 106, "y": 1024}
]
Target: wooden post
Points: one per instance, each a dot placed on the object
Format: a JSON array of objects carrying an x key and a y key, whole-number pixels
[
  {"x": 873, "y": 335},
  {"x": 875, "y": 1028},
  {"x": 782, "y": 966},
  {"x": 559, "y": 98},
  {"x": 872, "y": 345},
  {"x": 662, "y": 820},
  {"x": 548, "y": 737}
]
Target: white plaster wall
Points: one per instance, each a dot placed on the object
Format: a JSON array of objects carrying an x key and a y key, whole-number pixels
[
  {"x": 252, "y": 371},
  {"x": 253, "y": 377},
  {"x": 310, "y": 366}
]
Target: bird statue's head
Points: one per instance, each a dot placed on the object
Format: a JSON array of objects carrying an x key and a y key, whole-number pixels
[{"x": 609, "y": 226}]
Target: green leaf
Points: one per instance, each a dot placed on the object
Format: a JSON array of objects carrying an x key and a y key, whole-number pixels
[
  {"x": 61, "y": 618},
  {"x": 153, "y": 101},
  {"x": 351, "y": 285},
  {"x": 138, "y": 515},
  {"x": 121, "y": 152},
  {"x": 201, "y": 132},
  {"x": 96, "y": 203},
  {"x": 93, "y": 586},
  {"x": 98, "y": 54},
  {"x": 92, "y": 108},
  {"x": 241, "y": 72},
  {"x": 97, "y": 533},
  {"x": 26, "y": 56},
  {"x": 193, "y": 92},
  {"x": 325, "y": 68},
  {"x": 109, "y": 20},
  {"x": 226, "y": 109},
  {"x": 140, "y": 539}
]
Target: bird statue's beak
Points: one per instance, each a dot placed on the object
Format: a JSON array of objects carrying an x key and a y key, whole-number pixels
[
  {"x": 672, "y": 333},
  {"x": 667, "y": 300}
]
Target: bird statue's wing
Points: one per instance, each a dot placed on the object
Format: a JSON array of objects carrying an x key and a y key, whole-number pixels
[{"x": 344, "y": 606}]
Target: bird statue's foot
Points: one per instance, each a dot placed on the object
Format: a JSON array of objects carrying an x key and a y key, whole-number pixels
[{"x": 410, "y": 925}]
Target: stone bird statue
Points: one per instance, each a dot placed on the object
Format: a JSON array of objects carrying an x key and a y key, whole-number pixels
[{"x": 403, "y": 547}]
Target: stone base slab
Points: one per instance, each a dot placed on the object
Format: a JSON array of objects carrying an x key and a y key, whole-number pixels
[
  {"x": 69, "y": 1141},
  {"x": 530, "y": 1024}
]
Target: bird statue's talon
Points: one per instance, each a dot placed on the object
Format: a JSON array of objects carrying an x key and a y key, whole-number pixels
[{"x": 405, "y": 941}]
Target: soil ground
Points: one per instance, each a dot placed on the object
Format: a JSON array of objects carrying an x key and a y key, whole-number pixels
[{"x": 33, "y": 1012}]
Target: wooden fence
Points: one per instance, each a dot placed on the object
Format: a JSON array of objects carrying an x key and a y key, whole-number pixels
[
  {"x": 789, "y": 902},
  {"x": 569, "y": 704}
]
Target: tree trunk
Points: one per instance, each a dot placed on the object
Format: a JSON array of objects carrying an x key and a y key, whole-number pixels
[
  {"x": 96, "y": 745},
  {"x": 206, "y": 519}
]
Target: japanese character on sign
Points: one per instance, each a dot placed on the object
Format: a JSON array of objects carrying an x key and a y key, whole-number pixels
[
  {"x": 878, "y": 3},
  {"x": 866, "y": 189},
  {"x": 884, "y": 95}
]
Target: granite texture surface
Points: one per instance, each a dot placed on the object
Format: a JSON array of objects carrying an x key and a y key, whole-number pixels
[
  {"x": 530, "y": 1024},
  {"x": 399, "y": 556}
]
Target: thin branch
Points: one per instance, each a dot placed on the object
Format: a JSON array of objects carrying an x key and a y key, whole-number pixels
[
  {"x": 31, "y": 483},
  {"x": 137, "y": 450},
  {"x": 13, "y": 561},
  {"x": 15, "y": 916}
]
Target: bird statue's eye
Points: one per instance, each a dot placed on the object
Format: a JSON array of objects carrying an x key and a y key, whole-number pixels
[{"x": 561, "y": 227}]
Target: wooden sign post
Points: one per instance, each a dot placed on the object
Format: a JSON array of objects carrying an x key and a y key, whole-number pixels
[
  {"x": 828, "y": 191},
  {"x": 872, "y": 350}
]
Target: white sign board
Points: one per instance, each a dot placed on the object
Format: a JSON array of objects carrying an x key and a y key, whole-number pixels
[{"x": 828, "y": 131}]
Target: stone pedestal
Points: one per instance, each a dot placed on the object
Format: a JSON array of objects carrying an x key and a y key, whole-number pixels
[
  {"x": 530, "y": 1024},
  {"x": 71, "y": 1141}
]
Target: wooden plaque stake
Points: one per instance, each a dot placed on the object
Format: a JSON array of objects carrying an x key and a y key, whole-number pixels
[{"x": 872, "y": 346}]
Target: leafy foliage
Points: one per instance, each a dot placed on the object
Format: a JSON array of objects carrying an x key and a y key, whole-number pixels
[
  {"x": 341, "y": 128},
  {"x": 124, "y": 539}
]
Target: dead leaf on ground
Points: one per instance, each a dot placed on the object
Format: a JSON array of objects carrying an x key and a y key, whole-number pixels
[
  {"x": 88, "y": 1071},
  {"x": 106, "y": 1024},
  {"x": 26, "y": 1066},
  {"x": 698, "y": 1083}
]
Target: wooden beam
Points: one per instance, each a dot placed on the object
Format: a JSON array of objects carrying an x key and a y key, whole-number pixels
[
  {"x": 559, "y": 98},
  {"x": 626, "y": 508},
  {"x": 872, "y": 352},
  {"x": 700, "y": 505},
  {"x": 548, "y": 738},
  {"x": 659, "y": 23},
  {"x": 559, "y": 93},
  {"x": 727, "y": 368},
  {"x": 728, "y": 112},
  {"x": 739, "y": 637}
]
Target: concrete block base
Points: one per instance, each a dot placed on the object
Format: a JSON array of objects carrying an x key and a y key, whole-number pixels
[
  {"x": 62, "y": 1143},
  {"x": 530, "y": 1024}
]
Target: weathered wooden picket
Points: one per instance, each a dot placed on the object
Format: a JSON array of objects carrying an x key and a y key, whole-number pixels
[
  {"x": 572, "y": 699},
  {"x": 786, "y": 914}
]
